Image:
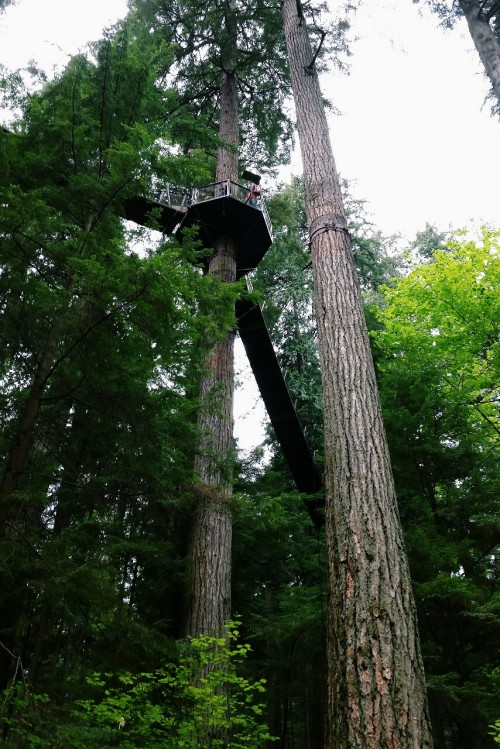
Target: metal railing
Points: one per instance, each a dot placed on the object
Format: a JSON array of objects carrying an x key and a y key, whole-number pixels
[
  {"x": 183, "y": 197},
  {"x": 219, "y": 190},
  {"x": 176, "y": 197}
]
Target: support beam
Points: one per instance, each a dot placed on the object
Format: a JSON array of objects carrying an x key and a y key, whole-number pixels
[{"x": 279, "y": 405}]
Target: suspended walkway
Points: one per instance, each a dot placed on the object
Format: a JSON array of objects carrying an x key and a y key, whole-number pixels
[{"x": 219, "y": 210}]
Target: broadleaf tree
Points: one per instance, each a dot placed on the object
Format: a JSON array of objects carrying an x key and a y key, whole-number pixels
[{"x": 438, "y": 362}]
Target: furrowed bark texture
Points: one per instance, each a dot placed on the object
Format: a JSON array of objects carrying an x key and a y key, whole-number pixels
[
  {"x": 376, "y": 688},
  {"x": 485, "y": 42},
  {"x": 209, "y": 556},
  {"x": 210, "y": 549}
]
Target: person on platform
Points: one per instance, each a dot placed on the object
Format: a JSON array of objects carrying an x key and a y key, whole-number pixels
[{"x": 253, "y": 196}]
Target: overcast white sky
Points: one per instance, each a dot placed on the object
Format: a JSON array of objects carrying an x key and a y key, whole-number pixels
[
  {"x": 414, "y": 138},
  {"x": 414, "y": 133}
]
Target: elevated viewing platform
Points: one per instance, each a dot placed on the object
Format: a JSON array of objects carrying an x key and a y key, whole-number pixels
[
  {"x": 220, "y": 209},
  {"x": 235, "y": 190}
]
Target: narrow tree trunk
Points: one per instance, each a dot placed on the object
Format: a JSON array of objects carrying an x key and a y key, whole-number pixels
[
  {"x": 376, "y": 688},
  {"x": 23, "y": 439},
  {"x": 209, "y": 556},
  {"x": 485, "y": 42}
]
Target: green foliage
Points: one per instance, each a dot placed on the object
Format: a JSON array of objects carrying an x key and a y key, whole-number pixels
[
  {"x": 284, "y": 279},
  {"x": 97, "y": 511},
  {"x": 200, "y": 40},
  {"x": 426, "y": 243},
  {"x": 201, "y": 700},
  {"x": 20, "y": 710},
  {"x": 92, "y": 570},
  {"x": 496, "y": 731},
  {"x": 438, "y": 356},
  {"x": 280, "y": 591}
]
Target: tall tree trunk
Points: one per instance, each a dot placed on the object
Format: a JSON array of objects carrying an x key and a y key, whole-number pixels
[
  {"x": 376, "y": 689},
  {"x": 209, "y": 556},
  {"x": 485, "y": 41}
]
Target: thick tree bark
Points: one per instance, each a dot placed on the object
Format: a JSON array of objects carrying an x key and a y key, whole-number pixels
[
  {"x": 376, "y": 688},
  {"x": 485, "y": 42},
  {"x": 209, "y": 555}
]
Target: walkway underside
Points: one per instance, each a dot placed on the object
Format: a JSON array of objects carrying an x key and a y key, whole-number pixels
[
  {"x": 279, "y": 405},
  {"x": 247, "y": 224}
]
